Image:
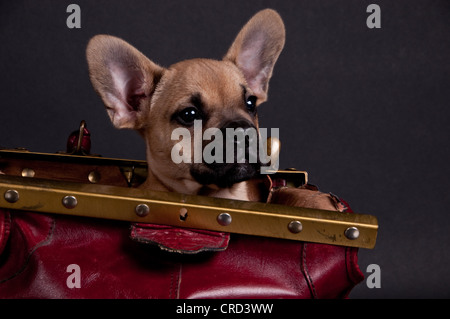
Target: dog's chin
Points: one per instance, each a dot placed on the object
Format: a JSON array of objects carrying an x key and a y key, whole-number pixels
[{"x": 224, "y": 175}]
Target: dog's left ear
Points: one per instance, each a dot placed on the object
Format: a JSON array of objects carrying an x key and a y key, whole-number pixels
[{"x": 257, "y": 48}]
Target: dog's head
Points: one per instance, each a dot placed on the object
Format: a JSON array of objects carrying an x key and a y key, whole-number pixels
[{"x": 191, "y": 96}]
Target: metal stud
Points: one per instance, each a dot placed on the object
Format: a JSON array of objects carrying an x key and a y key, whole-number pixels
[
  {"x": 224, "y": 219},
  {"x": 70, "y": 202},
  {"x": 94, "y": 177},
  {"x": 142, "y": 210},
  {"x": 11, "y": 196},
  {"x": 295, "y": 227},
  {"x": 352, "y": 233},
  {"x": 28, "y": 172}
]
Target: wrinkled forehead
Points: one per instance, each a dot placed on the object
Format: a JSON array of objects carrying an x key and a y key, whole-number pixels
[{"x": 216, "y": 81}]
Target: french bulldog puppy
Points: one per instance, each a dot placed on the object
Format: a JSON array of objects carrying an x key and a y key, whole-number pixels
[{"x": 141, "y": 95}]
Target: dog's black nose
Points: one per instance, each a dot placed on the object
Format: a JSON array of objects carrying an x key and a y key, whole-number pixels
[
  {"x": 240, "y": 143},
  {"x": 240, "y": 134}
]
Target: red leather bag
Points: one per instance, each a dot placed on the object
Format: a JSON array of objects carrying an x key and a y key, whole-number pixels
[{"x": 123, "y": 260}]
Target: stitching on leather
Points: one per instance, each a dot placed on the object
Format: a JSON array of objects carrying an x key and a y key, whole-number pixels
[
  {"x": 308, "y": 278},
  {"x": 175, "y": 281},
  {"x": 46, "y": 241},
  {"x": 179, "y": 281}
]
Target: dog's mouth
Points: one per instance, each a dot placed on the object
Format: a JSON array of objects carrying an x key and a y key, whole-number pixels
[{"x": 224, "y": 175}]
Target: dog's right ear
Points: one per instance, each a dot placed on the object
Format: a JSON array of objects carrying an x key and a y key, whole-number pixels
[{"x": 123, "y": 77}]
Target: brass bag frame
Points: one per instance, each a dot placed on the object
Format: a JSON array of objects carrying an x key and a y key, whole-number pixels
[{"x": 94, "y": 200}]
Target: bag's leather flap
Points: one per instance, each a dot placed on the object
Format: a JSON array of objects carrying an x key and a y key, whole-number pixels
[{"x": 180, "y": 240}]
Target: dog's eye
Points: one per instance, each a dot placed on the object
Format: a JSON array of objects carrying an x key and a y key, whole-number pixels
[
  {"x": 187, "y": 116},
  {"x": 251, "y": 104}
]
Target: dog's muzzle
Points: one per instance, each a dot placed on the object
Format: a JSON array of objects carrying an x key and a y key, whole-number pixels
[{"x": 237, "y": 160}]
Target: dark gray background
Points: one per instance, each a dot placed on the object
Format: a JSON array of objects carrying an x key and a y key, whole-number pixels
[{"x": 364, "y": 111}]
